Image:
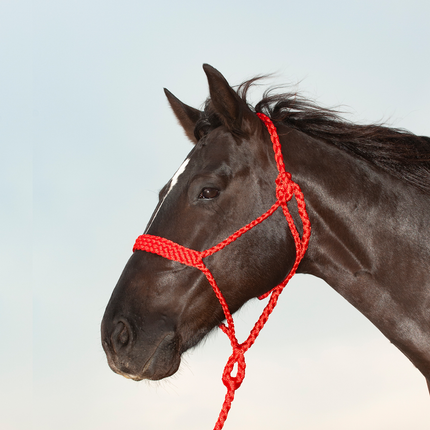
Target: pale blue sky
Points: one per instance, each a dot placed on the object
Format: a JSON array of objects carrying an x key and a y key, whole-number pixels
[{"x": 86, "y": 142}]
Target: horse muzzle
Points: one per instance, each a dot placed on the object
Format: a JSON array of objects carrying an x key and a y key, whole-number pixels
[{"x": 137, "y": 356}]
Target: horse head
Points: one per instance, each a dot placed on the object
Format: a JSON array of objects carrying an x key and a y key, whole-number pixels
[{"x": 161, "y": 308}]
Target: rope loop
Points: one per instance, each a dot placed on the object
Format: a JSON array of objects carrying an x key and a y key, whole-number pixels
[{"x": 232, "y": 383}]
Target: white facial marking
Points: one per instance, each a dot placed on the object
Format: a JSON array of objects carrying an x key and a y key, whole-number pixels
[
  {"x": 173, "y": 182},
  {"x": 177, "y": 174}
]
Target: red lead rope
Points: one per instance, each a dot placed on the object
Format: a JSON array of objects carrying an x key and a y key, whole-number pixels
[{"x": 285, "y": 190}]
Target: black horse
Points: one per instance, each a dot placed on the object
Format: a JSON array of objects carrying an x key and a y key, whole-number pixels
[{"x": 367, "y": 190}]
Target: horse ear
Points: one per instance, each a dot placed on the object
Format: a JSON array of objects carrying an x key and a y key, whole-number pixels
[
  {"x": 186, "y": 115},
  {"x": 231, "y": 108}
]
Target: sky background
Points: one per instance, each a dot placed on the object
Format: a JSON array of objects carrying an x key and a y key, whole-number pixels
[{"x": 86, "y": 142}]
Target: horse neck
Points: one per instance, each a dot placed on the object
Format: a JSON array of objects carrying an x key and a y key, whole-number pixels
[{"x": 370, "y": 240}]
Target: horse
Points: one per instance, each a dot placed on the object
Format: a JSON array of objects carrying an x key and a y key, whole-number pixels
[{"x": 367, "y": 195}]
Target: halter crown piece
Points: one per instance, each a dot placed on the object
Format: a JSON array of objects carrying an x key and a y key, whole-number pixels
[{"x": 285, "y": 190}]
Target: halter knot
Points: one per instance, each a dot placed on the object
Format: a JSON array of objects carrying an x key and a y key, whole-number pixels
[{"x": 284, "y": 187}]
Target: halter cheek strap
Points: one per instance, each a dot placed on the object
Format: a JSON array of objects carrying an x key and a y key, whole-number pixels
[{"x": 285, "y": 190}]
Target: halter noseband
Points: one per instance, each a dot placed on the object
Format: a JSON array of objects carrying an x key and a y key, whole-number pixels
[{"x": 285, "y": 190}]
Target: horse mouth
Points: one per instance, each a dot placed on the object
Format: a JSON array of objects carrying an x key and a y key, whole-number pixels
[{"x": 162, "y": 362}]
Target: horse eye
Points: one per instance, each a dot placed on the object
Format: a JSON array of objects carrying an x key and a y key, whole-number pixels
[{"x": 209, "y": 193}]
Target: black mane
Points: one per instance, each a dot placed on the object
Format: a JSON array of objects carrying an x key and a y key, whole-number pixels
[{"x": 397, "y": 151}]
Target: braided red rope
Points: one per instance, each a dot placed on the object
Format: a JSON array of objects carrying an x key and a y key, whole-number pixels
[{"x": 285, "y": 190}]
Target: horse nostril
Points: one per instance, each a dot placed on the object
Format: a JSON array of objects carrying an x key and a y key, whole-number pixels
[
  {"x": 124, "y": 336},
  {"x": 121, "y": 336}
]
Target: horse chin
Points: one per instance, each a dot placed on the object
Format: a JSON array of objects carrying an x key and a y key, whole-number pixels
[{"x": 164, "y": 362}]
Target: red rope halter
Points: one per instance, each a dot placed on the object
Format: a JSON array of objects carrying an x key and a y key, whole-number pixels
[{"x": 285, "y": 190}]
